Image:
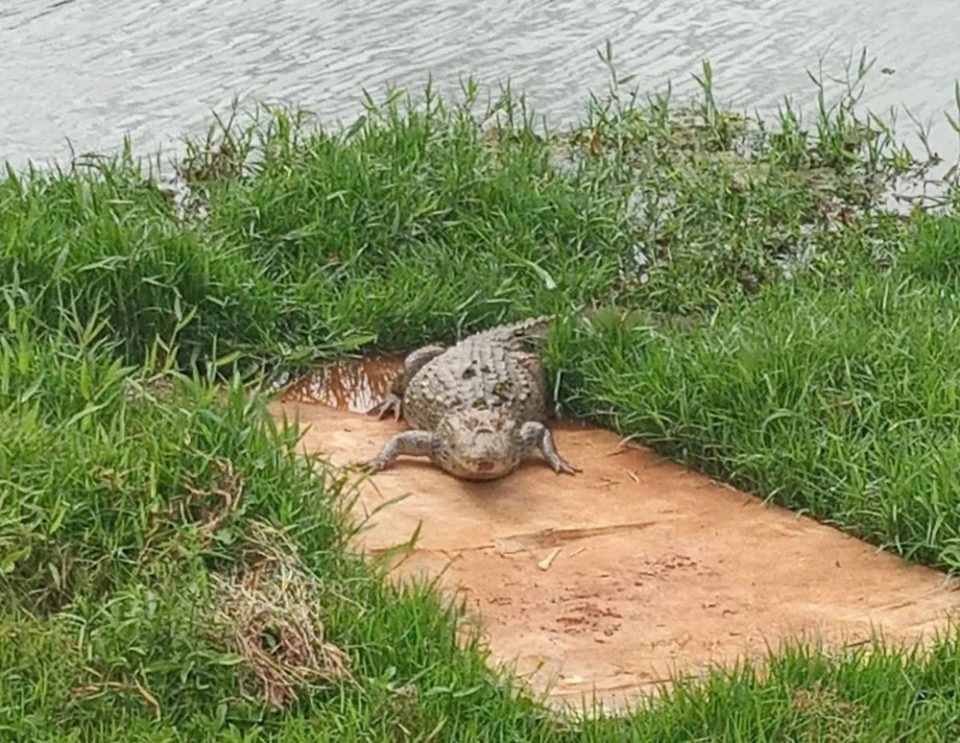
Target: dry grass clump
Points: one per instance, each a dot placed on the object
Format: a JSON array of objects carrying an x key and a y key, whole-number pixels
[{"x": 269, "y": 614}]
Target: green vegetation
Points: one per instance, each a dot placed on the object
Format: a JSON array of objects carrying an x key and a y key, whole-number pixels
[
  {"x": 841, "y": 402},
  {"x": 755, "y": 311}
]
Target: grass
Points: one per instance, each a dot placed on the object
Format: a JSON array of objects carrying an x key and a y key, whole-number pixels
[
  {"x": 838, "y": 401},
  {"x": 170, "y": 570},
  {"x": 125, "y": 502}
]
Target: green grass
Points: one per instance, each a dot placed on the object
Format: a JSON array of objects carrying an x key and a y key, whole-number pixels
[
  {"x": 754, "y": 311},
  {"x": 108, "y": 568},
  {"x": 839, "y": 401}
]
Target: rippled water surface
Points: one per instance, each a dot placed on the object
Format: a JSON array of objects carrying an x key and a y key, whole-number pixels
[{"x": 90, "y": 70}]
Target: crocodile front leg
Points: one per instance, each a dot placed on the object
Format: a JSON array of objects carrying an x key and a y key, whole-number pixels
[
  {"x": 411, "y": 365},
  {"x": 535, "y": 434},
  {"x": 412, "y": 443}
]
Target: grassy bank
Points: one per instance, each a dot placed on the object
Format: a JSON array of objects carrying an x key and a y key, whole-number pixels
[
  {"x": 837, "y": 400},
  {"x": 171, "y": 571}
]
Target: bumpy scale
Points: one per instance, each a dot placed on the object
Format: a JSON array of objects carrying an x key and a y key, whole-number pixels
[{"x": 476, "y": 408}]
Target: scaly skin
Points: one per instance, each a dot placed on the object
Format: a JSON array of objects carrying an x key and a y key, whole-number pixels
[{"x": 476, "y": 408}]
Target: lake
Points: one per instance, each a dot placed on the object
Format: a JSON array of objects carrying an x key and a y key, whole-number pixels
[{"x": 92, "y": 71}]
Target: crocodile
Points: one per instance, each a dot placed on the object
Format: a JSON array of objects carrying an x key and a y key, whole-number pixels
[{"x": 475, "y": 408}]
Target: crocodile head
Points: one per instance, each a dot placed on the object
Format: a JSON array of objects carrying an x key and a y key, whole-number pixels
[{"x": 478, "y": 444}]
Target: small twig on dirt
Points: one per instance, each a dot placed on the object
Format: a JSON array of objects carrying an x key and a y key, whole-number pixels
[{"x": 547, "y": 561}]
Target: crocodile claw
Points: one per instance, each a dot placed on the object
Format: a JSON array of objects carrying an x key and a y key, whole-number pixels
[
  {"x": 368, "y": 465},
  {"x": 562, "y": 466},
  {"x": 390, "y": 402}
]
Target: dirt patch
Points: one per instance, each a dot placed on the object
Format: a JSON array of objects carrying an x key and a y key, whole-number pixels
[{"x": 613, "y": 580}]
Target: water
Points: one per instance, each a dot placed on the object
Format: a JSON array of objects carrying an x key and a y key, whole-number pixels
[
  {"x": 354, "y": 385},
  {"x": 91, "y": 71}
]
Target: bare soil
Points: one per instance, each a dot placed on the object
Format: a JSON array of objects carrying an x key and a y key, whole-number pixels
[{"x": 615, "y": 580}]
